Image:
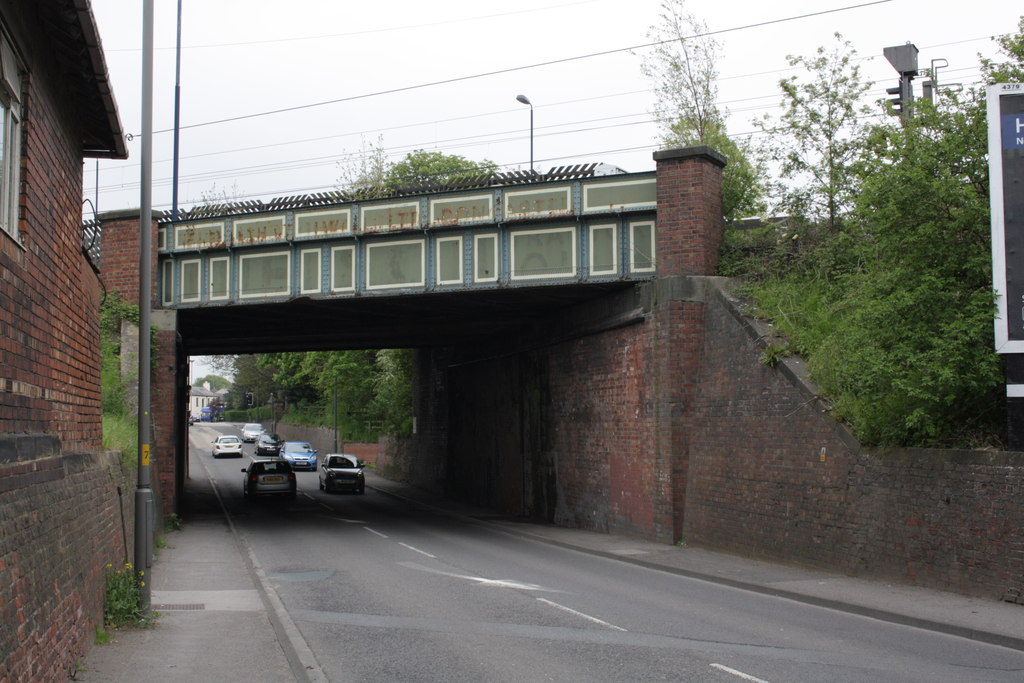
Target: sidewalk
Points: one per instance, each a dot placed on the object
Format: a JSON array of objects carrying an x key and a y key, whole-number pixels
[{"x": 221, "y": 619}]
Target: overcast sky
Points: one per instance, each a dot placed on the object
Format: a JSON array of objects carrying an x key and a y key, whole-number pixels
[{"x": 358, "y": 74}]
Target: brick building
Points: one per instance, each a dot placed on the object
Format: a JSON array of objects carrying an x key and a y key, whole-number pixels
[{"x": 59, "y": 493}]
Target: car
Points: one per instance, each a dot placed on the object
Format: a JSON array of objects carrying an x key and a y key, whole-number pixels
[
  {"x": 300, "y": 454},
  {"x": 342, "y": 472},
  {"x": 268, "y": 445},
  {"x": 227, "y": 445},
  {"x": 251, "y": 432},
  {"x": 268, "y": 477}
]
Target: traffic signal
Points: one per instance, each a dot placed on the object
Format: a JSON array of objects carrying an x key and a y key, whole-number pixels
[
  {"x": 248, "y": 398},
  {"x": 896, "y": 103}
]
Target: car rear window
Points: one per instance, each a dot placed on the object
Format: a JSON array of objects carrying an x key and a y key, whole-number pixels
[{"x": 265, "y": 467}]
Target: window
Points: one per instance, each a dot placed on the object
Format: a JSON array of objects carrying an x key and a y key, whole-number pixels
[
  {"x": 449, "y": 261},
  {"x": 220, "y": 272},
  {"x": 264, "y": 274},
  {"x": 10, "y": 137},
  {"x": 604, "y": 250},
  {"x": 485, "y": 257},
  {"x": 641, "y": 247},
  {"x": 395, "y": 264},
  {"x": 310, "y": 271},
  {"x": 343, "y": 269},
  {"x": 543, "y": 253},
  {"x": 190, "y": 277}
]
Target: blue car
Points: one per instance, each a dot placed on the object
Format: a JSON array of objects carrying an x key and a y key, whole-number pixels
[{"x": 299, "y": 454}]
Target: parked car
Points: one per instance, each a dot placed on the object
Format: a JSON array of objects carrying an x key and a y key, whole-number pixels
[
  {"x": 342, "y": 472},
  {"x": 300, "y": 454},
  {"x": 268, "y": 477},
  {"x": 251, "y": 432},
  {"x": 268, "y": 445},
  {"x": 227, "y": 445}
]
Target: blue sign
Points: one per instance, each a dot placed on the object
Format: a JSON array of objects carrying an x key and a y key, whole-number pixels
[{"x": 1013, "y": 131}]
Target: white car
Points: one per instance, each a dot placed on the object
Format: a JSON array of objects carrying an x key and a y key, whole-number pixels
[
  {"x": 251, "y": 432},
  {"x": 227, "y": 445}
]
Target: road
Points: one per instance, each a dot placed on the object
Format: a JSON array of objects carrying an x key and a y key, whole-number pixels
[{"x": 384, "y": 589}]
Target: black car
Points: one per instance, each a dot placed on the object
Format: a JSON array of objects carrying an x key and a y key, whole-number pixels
[
  {"x": 267, "y": 445},
  {"x": 342, "y": 472}
]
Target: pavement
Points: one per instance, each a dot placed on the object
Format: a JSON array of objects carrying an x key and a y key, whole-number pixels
[{"x": 220, "y": 618}]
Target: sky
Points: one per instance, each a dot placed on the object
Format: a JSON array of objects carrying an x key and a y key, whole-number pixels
[{"x": 443, "y": 76}]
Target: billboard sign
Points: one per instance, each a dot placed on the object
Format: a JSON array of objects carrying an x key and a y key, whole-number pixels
[{"x": 1006, "y": 191}]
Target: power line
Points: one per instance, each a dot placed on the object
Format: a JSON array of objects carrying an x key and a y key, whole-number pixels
[{"x": 565, "y": 60}]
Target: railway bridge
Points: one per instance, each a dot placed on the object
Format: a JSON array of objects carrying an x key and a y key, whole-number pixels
[{"x": 557, "y": 320}]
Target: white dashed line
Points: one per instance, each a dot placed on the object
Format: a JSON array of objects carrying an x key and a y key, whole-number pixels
[
  {"x": 580, "y": 614},
  {"x": 406, "y": 545},
  {"x": 375, "y": 532},
  {"x": 738, "y": 674}
]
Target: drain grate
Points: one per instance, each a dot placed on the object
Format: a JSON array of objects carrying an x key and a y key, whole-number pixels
[{"x": 179, "y": 608}]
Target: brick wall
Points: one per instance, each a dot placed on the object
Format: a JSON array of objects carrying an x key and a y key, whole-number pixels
[
  {"x": 63, "y": 522},
  {"x": 773, "y": 476},
  {"x": 58, "y": 493}
]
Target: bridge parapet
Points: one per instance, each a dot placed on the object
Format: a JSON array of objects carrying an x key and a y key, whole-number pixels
[{"x": 597, "y": 229}]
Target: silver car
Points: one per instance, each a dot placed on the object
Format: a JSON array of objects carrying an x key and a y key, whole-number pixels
[
  {"x": 268, "y": 477},
  {"x": 342, "y": 472},
  {"x": 251, "y": 432}
]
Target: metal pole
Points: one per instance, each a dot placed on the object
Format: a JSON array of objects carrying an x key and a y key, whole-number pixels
[
  {"x": 177, "y": 120},
  {"x": 143, "y": 492},
  {"x": 531, "y": 138}
]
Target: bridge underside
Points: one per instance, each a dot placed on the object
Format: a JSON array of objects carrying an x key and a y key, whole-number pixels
[{"x": 420, "y": 320}]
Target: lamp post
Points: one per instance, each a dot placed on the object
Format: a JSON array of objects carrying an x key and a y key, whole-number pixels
[{"x": 526, "y": 100}]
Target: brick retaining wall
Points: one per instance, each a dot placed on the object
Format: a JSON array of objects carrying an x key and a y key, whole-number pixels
[{"x": 62, "y": 525}]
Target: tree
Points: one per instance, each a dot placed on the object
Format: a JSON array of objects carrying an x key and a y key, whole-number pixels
[
  {"x": 814, "y": 141},
  {"x": 370, "y": 175},
  {"x": 216, "y": 382},
  {"x": 422, "y": 166},
  {"x": 683, "y": 68}
]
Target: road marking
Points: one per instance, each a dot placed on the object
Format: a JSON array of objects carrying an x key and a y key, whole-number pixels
[
  {"x": 493, "y": 583},
  {"x": 581, "y": 614},
  {"x": 738, "y": 674},
  {"x": 374, "y": 532},
  {"x": 421, "y": 552}
]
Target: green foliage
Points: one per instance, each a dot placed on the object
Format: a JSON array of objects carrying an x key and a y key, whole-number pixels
[
  {"x": 121, "y": 602},
  {"x": 887, "y": 292},
  {"x": 683, "y": 67},
  {"x": 120, "y": 428},
  {"x": 434, "y": 167},
  {"x": 813, "y": 142},
  {"x": 216, "y": 382}
]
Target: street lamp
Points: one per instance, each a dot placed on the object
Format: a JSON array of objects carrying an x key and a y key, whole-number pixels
[{"x": 526, "y": 100}]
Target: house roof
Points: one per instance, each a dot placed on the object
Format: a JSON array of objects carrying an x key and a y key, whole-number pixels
[{"x": 77, "y": 47}]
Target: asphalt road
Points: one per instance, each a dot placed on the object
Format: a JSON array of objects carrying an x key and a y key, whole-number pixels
[{"x": 382, "y": 589}]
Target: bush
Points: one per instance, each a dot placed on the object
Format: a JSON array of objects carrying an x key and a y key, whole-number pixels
[{"x": 121, "y": 604}]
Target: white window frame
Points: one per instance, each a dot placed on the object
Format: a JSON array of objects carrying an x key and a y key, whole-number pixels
[
  {"x": 437, "y": 259},
  {"x": 242, "y": 294},
  {"x": 335, "y": 251},
  {"x": 167, "y": 282},
  {"x": 614, "y": 268},
  {"x": 476, "y": 257},
  {"x": 227, "y": 275},
  {"x": 10, "y": 138},
  {"x": 319, "y": 271},
  {"x": 633, "y": 268},
  {"x": 411, "y": 284},
  {"x": 189, "y": 264},
  {"x": 560, "y": 275}
]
